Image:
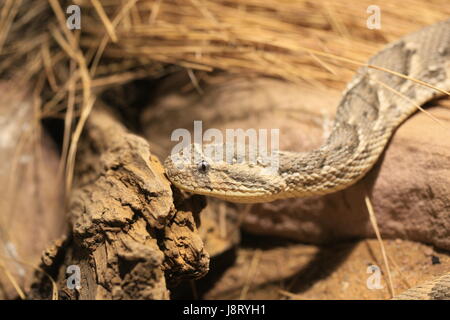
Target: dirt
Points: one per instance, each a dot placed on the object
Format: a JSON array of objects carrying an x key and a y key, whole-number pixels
[{"x": 267, "y": 268}]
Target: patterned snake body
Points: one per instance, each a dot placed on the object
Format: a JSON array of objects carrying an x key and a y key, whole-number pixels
[{"x": 374, "y": 104}]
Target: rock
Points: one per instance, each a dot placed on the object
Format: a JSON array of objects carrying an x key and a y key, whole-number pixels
[{"x": 31, "y": 199}]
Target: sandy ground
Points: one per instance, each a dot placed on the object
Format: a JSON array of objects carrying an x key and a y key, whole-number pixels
[{"x": 264, "y": 268}]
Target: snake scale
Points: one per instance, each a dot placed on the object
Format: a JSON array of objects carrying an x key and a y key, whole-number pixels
[{"x": 373, "y": 105}]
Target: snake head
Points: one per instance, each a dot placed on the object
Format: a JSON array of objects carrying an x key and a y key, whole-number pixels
[{"x": 211, "y": 170}]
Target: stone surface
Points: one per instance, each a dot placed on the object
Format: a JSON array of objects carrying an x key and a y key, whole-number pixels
[{"x": 31, "y": 199}]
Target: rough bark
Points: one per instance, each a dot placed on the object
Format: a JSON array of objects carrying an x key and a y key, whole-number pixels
[
  {"x": 131, "y": 235},
  {"x": 31, "y": 201}
]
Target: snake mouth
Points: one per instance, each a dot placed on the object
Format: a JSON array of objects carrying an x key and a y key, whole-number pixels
[{"x": 229, "y": 195}]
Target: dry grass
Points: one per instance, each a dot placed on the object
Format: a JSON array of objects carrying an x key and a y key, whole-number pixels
[
  {"x": 374, "y": 223},
  {"x": 267, "y": 37}
]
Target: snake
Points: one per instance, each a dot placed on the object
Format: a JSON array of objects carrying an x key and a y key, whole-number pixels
[{"x": 373, "y": 105}]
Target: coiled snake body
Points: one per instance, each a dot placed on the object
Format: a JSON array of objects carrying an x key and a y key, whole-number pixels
[{"x": 374, "y": 104}]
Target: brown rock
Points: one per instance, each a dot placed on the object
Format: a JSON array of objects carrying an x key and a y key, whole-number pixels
[
  {"x": 339, "y": 271},
  {"x": 31, "y": 201},
  {"x": 128, "y": 238}
]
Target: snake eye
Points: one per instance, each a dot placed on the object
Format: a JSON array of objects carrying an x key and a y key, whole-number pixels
[{"x": 203, "y": 166}]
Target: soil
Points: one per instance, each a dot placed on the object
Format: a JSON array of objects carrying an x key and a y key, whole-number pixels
[{"x": 266, "y": 268}]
